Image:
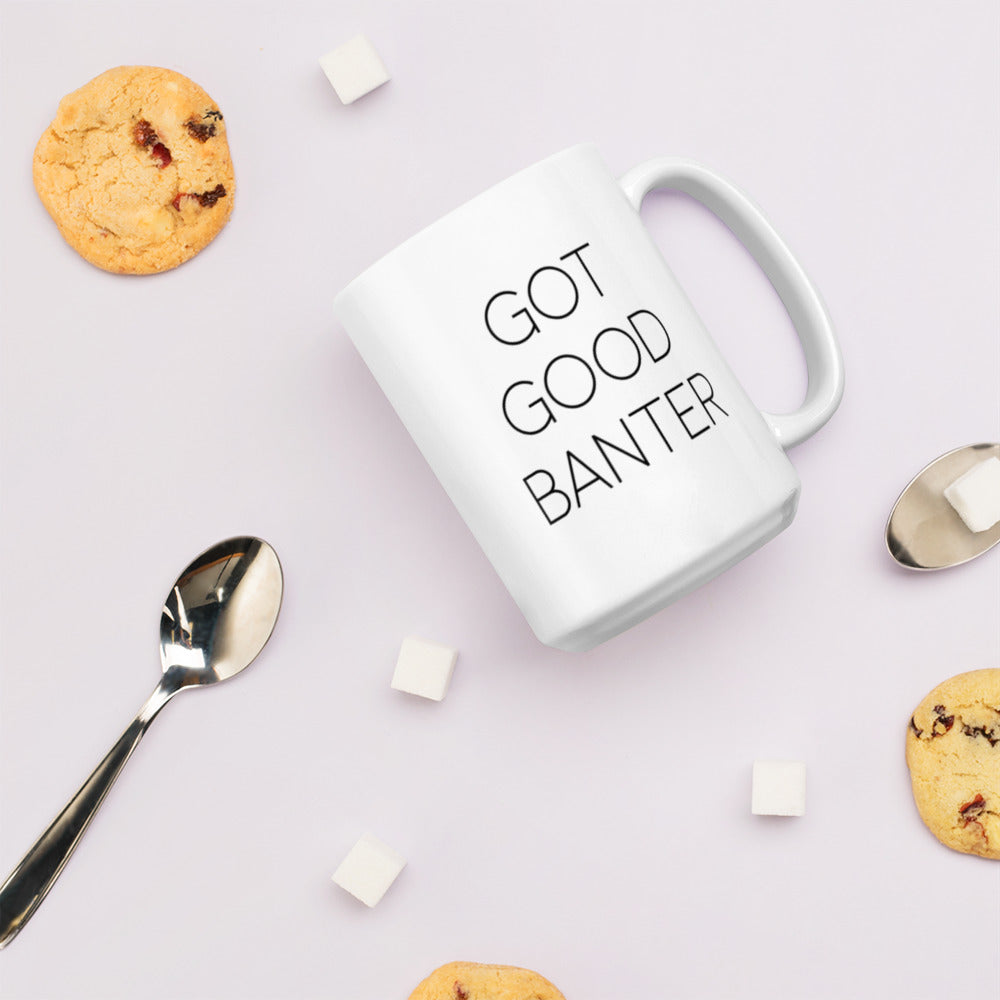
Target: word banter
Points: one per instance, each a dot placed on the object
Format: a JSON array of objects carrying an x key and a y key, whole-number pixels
[
  {"x": 683, "y": 410},
  {"x": 641, "y": 436}
]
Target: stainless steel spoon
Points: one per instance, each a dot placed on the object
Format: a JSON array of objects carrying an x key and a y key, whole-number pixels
[
  {"x": 924, "y": 530},
  {"x": 215, "y": 621}
]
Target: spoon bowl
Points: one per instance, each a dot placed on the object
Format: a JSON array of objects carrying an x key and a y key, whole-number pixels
[
  {"x": 221, "y": 611},
  {"x": 216, "y": 619},
  {"x": 924, "y": 531}
]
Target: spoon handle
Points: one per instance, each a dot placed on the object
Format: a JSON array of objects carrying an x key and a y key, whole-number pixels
[{"x": 31, "y": 880}]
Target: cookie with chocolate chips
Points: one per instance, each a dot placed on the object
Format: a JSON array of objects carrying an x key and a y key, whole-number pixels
[
  {"x": 953, "y": 752},
  {"x": 474, "y": 981},
  {"x": 135, "y": 170}
]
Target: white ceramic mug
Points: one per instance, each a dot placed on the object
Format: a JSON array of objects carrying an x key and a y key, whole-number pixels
[{"x": 570, "y": 401}]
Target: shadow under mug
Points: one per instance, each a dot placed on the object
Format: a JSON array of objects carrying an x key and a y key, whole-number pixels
[{"x": 572, "y": 404}]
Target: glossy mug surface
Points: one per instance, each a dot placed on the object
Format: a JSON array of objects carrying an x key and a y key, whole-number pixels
[{"x": 572, "y": 404}]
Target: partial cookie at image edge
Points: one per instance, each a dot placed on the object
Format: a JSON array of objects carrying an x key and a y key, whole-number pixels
[
  {"x": 478, "y": 981},
  {"x": 953, "y": 755}
]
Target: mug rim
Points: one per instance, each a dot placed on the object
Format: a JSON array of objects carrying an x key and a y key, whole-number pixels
[{"x": 400, "y": 248}]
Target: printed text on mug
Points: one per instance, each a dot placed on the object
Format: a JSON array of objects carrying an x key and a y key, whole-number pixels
[{"x": 684, "y": 410}]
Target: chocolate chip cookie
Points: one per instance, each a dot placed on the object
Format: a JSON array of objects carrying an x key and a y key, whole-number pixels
[
  {"x": 472, "y": 981},
  {"x": 135, "y": 170},
  {"x": 953, "y": 752}
]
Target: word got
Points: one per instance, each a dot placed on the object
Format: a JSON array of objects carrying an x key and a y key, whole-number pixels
[{"x": 530, "y": 406}]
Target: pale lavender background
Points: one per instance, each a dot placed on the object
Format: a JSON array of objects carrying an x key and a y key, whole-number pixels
[{"x": 584, "y": 815}]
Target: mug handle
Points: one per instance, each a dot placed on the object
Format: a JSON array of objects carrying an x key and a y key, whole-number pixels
[{"x": 824, "y": 365}]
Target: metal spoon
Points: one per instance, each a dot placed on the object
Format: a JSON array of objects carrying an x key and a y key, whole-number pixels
[
  {"x": 215, "y": 621},
  {"x": 924, "y": 530}
]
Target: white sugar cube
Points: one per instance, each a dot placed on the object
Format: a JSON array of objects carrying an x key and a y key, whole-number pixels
[
  {"x": 976, "y": 495},
  {"x": 354, "y": 69},
  {"x": 369, "y": 869},
  {"x": 424, "y": 668},
  {"x": 779, "y": 788}
]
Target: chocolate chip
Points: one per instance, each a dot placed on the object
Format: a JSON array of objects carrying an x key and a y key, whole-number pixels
[
  {"x": 976, "y": 807},
  {"x": 942, "y": 723},
  {"x": 143, "y": 133},
  {"x": 990, "y": 735},
  {"x": 161, "y": 154},
  {"x": 208, "y": 198},
  {"x": 205, "y": 198},
  {"x": 200, "y": 131}
]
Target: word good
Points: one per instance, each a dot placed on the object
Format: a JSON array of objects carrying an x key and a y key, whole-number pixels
[{"x": 569, "y": 381}]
